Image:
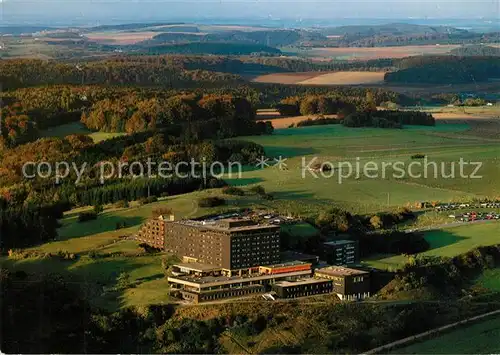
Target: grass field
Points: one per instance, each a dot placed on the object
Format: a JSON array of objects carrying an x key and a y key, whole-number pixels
[
  {"x": 480, "y": 338},
  {"x": 490, "y": 280},
  {"x": 444, "y": 144},
  {"x": 447, "y": 243}
]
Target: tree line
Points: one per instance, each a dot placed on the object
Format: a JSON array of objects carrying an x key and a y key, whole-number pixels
[
  {"x": 16, "y": 73},
  {"x": 445, "y": 70},
  {"x": 388, "y": 119}
]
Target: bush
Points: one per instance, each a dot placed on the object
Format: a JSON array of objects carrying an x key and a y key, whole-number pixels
[
  {"x": 211, "y": 202},
  {"x": 87, "y": 216},
  {"x": 232, "y": 190},
  {"x": 121, "y": 204},
  {"x": 161, "y": 211},
  {"x": 120, "y": 225},
  {"x": 98, "y": 209},
  {"x": 147, "y": 200},
  {"x": 259, "y": 190},
  {"x": 318, "y": 122},
  {"x": 418, "y": 156}
]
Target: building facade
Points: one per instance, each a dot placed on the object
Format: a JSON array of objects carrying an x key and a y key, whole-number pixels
[
  {"x": 201, "y": 283},
  {"x": 232, "y": 244},
  {"x": 302, "y": 287},
  {"x": 348, "y": 284},
  {"x": 152, "y": 233},
  {"x": 341, "y": 252}
]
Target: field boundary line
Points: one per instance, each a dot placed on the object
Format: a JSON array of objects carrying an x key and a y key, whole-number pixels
[{"x": 424, "y": 335}]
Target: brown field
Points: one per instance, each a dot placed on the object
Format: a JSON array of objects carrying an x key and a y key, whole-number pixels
[
  {"x": 283, "y": 122},
  {"x": 363, "y": 53},
  {"x": 322, "y": 78},
  {"x": 285, "y": 78},
  {"x": 120, "y": 37},
  {"x": 346, "y": 78},
  {"x": 461, "y": 117}
]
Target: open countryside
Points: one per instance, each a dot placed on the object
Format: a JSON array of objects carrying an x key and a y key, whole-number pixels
[{"x": 249, "y": 185}]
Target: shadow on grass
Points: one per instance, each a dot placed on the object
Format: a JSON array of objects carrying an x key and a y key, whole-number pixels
[
  {"x": 288, "y": 152},
  {"x": 439, "y": 239},
  {"x": 243, "y": 181},
  {"x": 98, "y": 280},
  {"x": 94, "y": 279},
  {"x": 150, "y": 278},
  {"x": 105, "y": 222}
]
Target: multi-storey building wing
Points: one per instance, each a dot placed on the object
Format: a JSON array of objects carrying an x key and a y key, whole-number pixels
[
  {"x": 232, "y": 244},
  {"x": 341, "y": 252},
  {"x": 348, "y": 284}
]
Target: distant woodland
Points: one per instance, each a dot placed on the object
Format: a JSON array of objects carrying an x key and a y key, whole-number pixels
[{"x": 445, "y": 70}]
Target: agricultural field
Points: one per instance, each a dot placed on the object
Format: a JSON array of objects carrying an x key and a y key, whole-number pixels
[
  {"x": 279, "y": 121},
  {"x": 366, "y": 53},
  {"x": 27, "y": 48},
  {"x": 480, "y": 338},
  {"x": 286, "y": 78},
  {"x": 321, "y": 78},
  {"x": 346, "y": 78},
  {"x": 447, "y": 242},
  {"x": 120, "y": 38}
]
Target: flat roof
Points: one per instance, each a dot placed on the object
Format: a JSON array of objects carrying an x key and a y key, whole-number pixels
[
  {"x": 306, "y": 281},
  {"x": 286, "y": 264},
  {"x": 340, "y": 242},
  {"x": 228, "y": 279},
  {"x": 290, "y": 255},
  {"x": 340, "y": 271},
  {"x": 218, "y": 225},
  {"x": 197, "y": 266}
]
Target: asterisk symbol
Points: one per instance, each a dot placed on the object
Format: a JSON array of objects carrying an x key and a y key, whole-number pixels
[
  {"x": 280, "y": 163},
  {"x": 262, "y": 162}
]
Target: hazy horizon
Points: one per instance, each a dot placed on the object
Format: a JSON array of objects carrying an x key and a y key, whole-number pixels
[{"x": 271, "y": 11}]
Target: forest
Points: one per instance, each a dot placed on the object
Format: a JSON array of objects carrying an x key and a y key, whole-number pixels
[
  {"x": 445, "y": 70},
  {"x": 476, "y": 51}
]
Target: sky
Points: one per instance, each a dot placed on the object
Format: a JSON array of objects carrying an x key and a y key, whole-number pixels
[{"x": 165, "y": 10}]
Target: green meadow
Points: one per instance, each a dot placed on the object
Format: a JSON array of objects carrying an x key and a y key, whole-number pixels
[
  {"x": 479, "y": 338},
  {"x": 375, "y": 191},
  {"x": 447, "y": 242}
]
